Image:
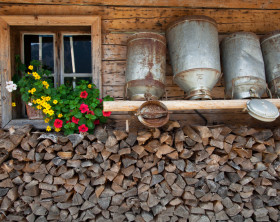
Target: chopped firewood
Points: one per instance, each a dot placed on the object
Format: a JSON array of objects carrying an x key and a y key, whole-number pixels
[{"x": 188, "y": 131}]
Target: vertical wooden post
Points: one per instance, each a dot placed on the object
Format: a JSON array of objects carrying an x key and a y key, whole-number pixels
[
  {"x": 96, "y": 53},
  {"x": 5, "y": 71}
]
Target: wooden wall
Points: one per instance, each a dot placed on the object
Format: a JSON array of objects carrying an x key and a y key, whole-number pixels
[{"x": 122, "y": 18}]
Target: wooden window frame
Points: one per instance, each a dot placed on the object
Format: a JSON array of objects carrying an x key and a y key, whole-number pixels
[{"x": 6, "y": 21}]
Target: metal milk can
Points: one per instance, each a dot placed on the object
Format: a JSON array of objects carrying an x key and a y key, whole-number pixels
[
  {"x": 271, "y": 54},
  {"x": 194, "y": 51},
  {"x": 146, "y": 66},
  {"x": 243, "y": 66}
]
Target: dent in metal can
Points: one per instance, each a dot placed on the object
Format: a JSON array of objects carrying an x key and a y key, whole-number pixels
[
  {"x": 146, "y": 66},
  {"x": 243, "y": 66},
  {"x": 271, "y": 54},
  {"x": 194, "y": 50}
]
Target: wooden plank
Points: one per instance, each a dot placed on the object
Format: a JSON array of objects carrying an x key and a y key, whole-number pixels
[
  {"x": 43, "y": 20},
  {"x": 260, "y": 4},
  {"x": 96, "y": 53},
  {"x": 17, "y": 123},
  {"x": 5, "y": 70},
  {"x": 129, "y": 19},
  {"x": 183, "y": 104}
]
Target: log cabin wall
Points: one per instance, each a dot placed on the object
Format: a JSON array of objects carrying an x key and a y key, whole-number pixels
[{"x": 122, "y": 18}]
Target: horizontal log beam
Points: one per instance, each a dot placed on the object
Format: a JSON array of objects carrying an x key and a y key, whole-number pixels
[{"x": 116, "y": 106}]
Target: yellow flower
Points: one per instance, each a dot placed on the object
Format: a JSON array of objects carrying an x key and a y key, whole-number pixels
[
  {"x": 28, "y": 73},
  {"x": 89, "y": 86},
  {"x": 37, "y": 77},
  {"x": 34, "y": 101},
  {"x": 48, "y": 98},
  {"x": 55, "y": 102},
  {"x": 45, "y": 83},
  {"x": 46, "y": 112},
  {"x": 39, "y": 107},
  {"x": 51, "y": 112},
  {"x": 48, "y": 128},
  {"x": 47, "y": 120},
  {"x": 29, "y": 91},
  {"x": 60, "y": 115},
  {"x": 57, "y": 129},
  {"x": 47, "y": 86},
  {"x": 13, "y": 104},
  {"x": 43, "y": 97},
  {"x": 38, "y": 101},
  {"x": 48, "y": 106},
  {"x": 33, "y": 90},
  {"x": 30, "y": 67}
]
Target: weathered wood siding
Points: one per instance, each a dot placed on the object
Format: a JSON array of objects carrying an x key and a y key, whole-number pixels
[{"x": 122, "y": 18}]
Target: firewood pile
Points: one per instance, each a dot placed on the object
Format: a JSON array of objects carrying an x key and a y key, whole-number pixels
[{"x": 194, "y": 173}]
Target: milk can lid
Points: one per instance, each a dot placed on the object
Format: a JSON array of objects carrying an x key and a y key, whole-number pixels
[{"x": 262, "y": 109}]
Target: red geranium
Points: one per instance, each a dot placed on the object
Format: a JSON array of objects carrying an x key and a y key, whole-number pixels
[
  {"x": 106, "y": 114},
  {"x": 96, "y": 122},
  {"x": 83, "y": 128},
  {"x": 58, "y": 123},
  {"x": 100, "y": 100},
  {"x": 84, "y": 108},
  {"x": 84, "y": 94},
  {"x": 90, "y": 112},
  {"x": 75, "y": 120},
  {"x": 68, "y": 121}
]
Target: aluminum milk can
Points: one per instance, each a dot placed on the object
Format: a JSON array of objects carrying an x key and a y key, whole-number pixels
[
  {"x": 146, "y": 66},
  {"x": 271, "y": 54},
  {"x": 243, "y": 66},
  {"x": 194, "y": 50}
]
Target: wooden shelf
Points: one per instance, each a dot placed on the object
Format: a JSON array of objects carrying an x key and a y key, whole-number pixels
[{"x": 173, "y": 105}]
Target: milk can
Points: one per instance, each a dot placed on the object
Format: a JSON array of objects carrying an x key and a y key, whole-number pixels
[
  {"x": 243, "y": 66},
  {"x": 271, "y": 54},
  {"x": 244, "y": 74},
  {"x": 146, "y": 66},
  {"x": 194, "y": 51}
]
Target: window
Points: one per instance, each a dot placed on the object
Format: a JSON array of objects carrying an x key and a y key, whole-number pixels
[
  {"x": 70, "y": 55},
  {"x": 74, "y": 62}
]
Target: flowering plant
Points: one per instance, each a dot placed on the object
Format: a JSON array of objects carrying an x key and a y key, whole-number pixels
[
  {"x": 65, "y": 108},
  {"x": 78, "y": 109},
  {"x": 35, "y": 79}
]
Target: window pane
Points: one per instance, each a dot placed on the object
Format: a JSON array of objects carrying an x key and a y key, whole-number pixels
[
  {"x": 81, "y": 52},
  {"x": 69, "y": 80},
  {"x": 31, "y": 50}
]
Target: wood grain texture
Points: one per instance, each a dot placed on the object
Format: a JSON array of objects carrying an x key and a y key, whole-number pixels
[
  {"x": 260, "y": 4},
  {"x": 44, "y": 20},
  {"x": 129, "y": 19},
  {"x": 5, "y": 70},
  {"x": 96, "y": 52},
  {"x": 184, "y": 104}
]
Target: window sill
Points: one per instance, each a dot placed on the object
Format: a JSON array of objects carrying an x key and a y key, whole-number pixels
[{"x": 16, "y": 123}]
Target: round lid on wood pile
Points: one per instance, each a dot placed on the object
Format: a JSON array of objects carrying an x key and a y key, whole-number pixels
[
  {"x": 147, "y": 35},
  {"x": 262, "y": 109},
  {"x": 153, "y": 114},
  {"x": 197, "y": 18}
]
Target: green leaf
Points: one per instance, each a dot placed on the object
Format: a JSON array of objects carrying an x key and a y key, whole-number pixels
[
  {"x": 82, "y": 121},
  {"x": 79, "y": 115},
  {"x": 25, "y": 97},
  {"x": 90, "y": 124},
  {"x": 98, "y": 112}
]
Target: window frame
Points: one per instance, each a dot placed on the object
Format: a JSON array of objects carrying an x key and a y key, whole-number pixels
[
  {"x": 62, "y": 73},
  {"x": 6, "y": 21}
]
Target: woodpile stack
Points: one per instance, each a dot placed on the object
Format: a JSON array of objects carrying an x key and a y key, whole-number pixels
[{"x": 195, "y": 174}]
